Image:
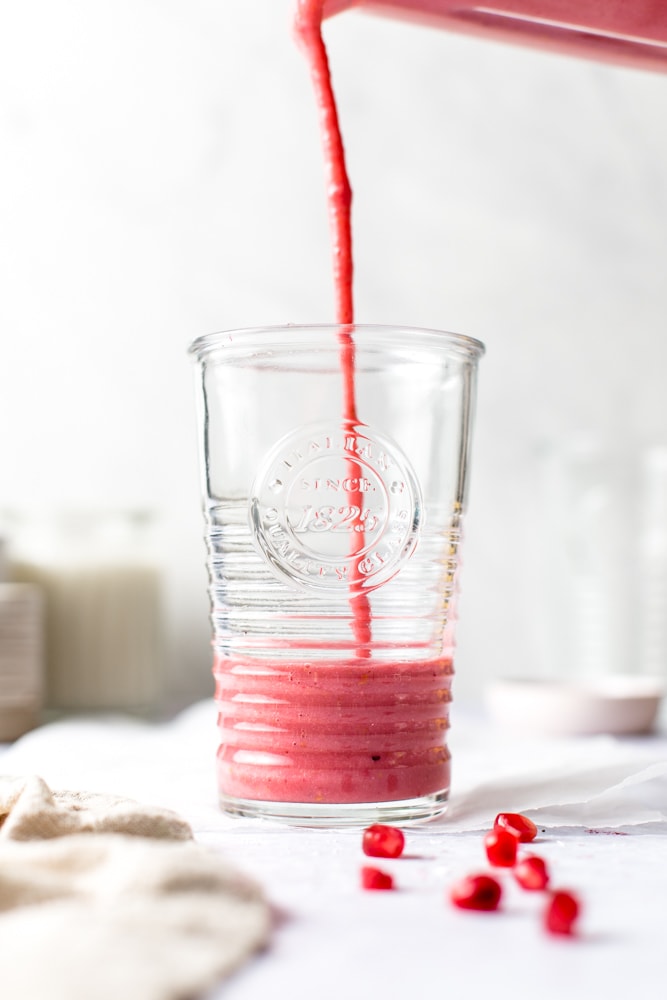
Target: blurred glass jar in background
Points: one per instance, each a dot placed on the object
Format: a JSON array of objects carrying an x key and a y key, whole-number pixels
[
  {"x": 604, "y": 560},
  {"x": 598, "y": 592},
  {"x": 21, "y": 662},
  {"x": 101, "y": 583}
]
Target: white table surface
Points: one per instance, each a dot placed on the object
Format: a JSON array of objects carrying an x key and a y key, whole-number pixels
[{"x": 332, "y": 940}]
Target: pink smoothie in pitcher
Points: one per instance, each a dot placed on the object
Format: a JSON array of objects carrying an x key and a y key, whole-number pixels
[{"x": 625, "y": 32}]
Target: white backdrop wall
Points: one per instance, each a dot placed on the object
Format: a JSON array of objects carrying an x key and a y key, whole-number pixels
[{"x": 160, "y": 178}]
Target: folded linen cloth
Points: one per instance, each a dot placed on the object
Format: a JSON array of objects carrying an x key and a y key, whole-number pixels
[
  {"x": 102, "y": 898},
  {"x": 29, "y": 810}
]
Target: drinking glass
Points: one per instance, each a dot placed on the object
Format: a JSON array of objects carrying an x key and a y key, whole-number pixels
[{"x": 334, "y": 465}]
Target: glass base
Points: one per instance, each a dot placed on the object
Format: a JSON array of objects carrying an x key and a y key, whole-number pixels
[{"x": 339, "y": 814}]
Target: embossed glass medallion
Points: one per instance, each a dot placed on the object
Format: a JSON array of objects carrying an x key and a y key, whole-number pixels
[{"x": 336, "y": 509}]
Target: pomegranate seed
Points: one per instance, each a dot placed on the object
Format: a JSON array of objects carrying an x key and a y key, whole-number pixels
[
  {"x": 476, "y": 892},
  {"x": 562, "y": 912},
  {"x": 519, "y": 825},
  {"x": 531, "y": 872},
  {"x": 383, "y": 841},
  {"x": 501, "y": 847},
  {"x": 373, "y": 878}
]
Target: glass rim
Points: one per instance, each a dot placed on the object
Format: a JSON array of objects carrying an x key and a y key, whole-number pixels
[{"x": 210, "y": 342}]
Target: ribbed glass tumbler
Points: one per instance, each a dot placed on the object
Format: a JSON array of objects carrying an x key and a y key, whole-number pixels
[{"x": 334, "y": 478}]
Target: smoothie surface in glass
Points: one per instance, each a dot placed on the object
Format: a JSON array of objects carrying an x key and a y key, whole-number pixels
[{"x": 338, "y": 730}]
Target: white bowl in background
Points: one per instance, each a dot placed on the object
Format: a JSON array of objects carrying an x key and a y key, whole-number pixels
[{"x": 616, "y": 704}]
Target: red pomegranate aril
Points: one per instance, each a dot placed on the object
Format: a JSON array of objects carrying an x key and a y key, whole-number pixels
[
  {"x": 516, "y": 823},
  {"x": 383, "y": 841},
  {"x": 531, "y": 873},
  {"x": 476, "y": 892},
  {"x": 501, "y": 847},
  {"x": 562, "y": 912},
  {"x": 373, "y": 878}
]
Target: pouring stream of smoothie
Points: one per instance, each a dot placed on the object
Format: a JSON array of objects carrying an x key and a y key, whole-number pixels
[
  {"x": 308, "y": 28},
  {"x": 317, "y": 726}
]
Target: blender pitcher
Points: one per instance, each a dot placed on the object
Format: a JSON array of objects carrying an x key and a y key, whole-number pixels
[{"x": 617, "y": 31}]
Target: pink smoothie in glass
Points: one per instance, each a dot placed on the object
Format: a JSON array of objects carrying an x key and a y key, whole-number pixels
[{"x": 333, "y": 730}]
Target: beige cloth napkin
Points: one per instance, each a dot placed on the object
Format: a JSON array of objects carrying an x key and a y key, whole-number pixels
[
  {"x": 29, "y": 810},
  {"x": 102, "y": 899}
]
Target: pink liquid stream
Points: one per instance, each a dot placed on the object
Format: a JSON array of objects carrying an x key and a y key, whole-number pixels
[{"x": 334, "y": 729}]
